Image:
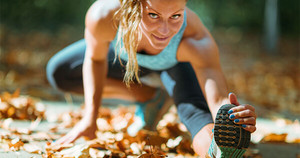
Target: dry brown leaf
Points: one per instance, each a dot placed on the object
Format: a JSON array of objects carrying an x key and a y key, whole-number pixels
[
  {"x": 57, "y": 147},
  {"x": 11, "y": 112},
  {"x": 5, "y": 96},
  {"x": 296, "y": 141},
  {"x": 105, "y": 113},
  {"x": 275, "y": 138},
  {"x": 103, "y": 125},
  {"x": 185, "y": 147},
  {"x": 97, "y": 153},
  {"x": 151, "y": 156},
  {"x": 53, "y": 128},
  {"x": 153, "y": 153},
  {"x": 35, "y": 124},
  {"x": 20, "y": 107},
  {"x": 3, "y": 107},
  {"x": 154, "y": 137},
  {"x": 171, "y": 130},
  {"x": 78, "y": 151},
  {"x": 172, "y": 143},
  {"x": 16, "y": 93},
  {"x": 121, "y": 146},
  {"x": 21, "y": 131},
  {"x": 96, "y": 143},
  {"x": 32, "y": 148},
  {"x": 15, "y": 144},
  {"x": 136, "y": 148},
  {"x": 6, "y": 123},
  {"x": 44, "y": 136}
]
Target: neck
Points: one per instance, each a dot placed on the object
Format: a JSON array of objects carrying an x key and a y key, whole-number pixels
[{"x": 145, "y": 45}]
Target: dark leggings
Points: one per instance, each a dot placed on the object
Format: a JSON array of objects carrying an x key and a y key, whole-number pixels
[{"x": 64, "y": 72}]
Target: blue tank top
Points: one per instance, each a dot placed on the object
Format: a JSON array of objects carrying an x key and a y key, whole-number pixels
[{"x": 165, "y": 59}]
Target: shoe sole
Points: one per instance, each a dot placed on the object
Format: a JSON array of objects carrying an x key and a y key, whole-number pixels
[{"x": 231, "y": 138}]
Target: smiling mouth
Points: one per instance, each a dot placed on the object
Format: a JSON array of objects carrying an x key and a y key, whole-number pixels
[{"x": 160, "y": 39}]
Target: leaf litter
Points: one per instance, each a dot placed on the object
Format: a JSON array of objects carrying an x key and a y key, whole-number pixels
[{"x": 171, "y": 137}]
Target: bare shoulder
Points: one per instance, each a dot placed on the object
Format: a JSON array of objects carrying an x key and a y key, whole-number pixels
[
  {"x": 197, "y": 45},
  {"x": 99, "y": 19},
  {"x": 195, "y": 28}
]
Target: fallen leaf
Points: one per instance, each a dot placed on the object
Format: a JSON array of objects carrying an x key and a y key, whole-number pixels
[
  {"x": 78, "y": 151},
  {"x": 34, "y": 124},
  {"x": 275, "y": 138},
  {"x": 6, "y": 123},
  {"x": 153, "y": 153},
  {"x": 32, "y": 148},
  {"x": 57, "y": 147},
  {"x": 15, "y": 144}
]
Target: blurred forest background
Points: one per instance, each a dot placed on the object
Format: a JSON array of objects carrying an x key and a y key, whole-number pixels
[{"x": 258, "y": 41}]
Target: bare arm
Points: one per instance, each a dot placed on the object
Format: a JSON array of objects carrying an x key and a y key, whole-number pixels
[
  {"x": 199, "y": 48},
  {"x": 209, "y": 73},
  {"x": 99, "y": 32},
  {"x": 94, "y": 74}
]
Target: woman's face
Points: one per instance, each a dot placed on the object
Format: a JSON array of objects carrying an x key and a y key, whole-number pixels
[{"x": 161, "y": 20}]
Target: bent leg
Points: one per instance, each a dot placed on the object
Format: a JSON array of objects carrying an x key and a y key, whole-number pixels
[
  {"x": 116, "y": 89},
  {"x": 64, "y": 69},
  {"x": 182, "y": 84},
  {"x": 64, "y": 72}
]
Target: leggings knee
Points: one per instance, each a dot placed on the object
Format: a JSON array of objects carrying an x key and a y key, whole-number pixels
[
  {"x": 193, "y": 117},
  {"x": 55, "y": 74}
]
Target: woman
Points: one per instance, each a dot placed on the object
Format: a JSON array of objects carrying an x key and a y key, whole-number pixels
[{"x": 153, "y": 36}]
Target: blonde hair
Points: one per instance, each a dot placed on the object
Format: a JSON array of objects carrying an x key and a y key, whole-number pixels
[{"x": 129, "y": 17}]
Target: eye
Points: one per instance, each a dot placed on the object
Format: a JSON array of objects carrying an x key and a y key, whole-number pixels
[
  {"x": 153, "y": 15},
  {"x": 176, "y": 16}
]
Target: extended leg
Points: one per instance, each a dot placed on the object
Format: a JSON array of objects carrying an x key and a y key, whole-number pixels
[{"x": 181, "y": 84}]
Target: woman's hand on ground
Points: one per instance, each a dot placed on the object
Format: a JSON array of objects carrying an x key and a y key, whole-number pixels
[
  {"x": 242, "y": 114},
  {"x": 85, "y": 127}
]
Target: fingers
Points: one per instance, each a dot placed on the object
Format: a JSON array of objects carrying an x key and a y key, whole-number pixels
[
  {"x": 246, "y": 121},
  {"x": 249, "y": 128},
  {"x": 242, "y": 107},
  {"x": 67, "y": 139},
  {"x": 233, "y": 99},
  {"x": 245, "y": 115}
]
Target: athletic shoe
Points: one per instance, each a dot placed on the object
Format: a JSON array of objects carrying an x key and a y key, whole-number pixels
[{"x": 230, "y": 140}]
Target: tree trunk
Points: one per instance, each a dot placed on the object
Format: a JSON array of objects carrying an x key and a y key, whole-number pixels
[{"x": 271, "y": 26}]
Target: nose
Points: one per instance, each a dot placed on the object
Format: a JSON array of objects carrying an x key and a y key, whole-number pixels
[{"x": 163, "y": 28}]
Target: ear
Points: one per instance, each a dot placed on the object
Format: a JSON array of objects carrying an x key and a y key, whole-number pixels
[{"x": 233, "y": 99}]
